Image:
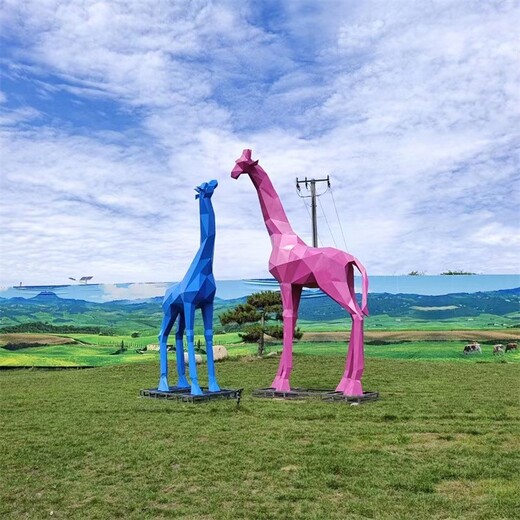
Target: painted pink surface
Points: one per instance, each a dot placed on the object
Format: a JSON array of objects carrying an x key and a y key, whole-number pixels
[{"x": 296, "y": 265}]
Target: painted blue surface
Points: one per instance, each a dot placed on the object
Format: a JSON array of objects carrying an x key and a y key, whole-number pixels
[
  {"x": 230, "y": 289},
  {"x": 195, "y": 291}
]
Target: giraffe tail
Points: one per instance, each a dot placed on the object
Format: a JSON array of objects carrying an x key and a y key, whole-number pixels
[{"x": 364, "y": 277}]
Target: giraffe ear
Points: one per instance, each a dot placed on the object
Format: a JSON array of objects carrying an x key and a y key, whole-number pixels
[{"x": 200, "y": 189}]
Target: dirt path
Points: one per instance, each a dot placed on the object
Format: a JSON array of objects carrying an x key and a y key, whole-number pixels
[
  {"x": 418, "y": 335},
  {"x": 34, "y": 339}
]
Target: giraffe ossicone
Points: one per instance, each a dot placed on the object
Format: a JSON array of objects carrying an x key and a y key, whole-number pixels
[
  {"x": 296, "y": 265},
  {"x": 195, "y": 291}
]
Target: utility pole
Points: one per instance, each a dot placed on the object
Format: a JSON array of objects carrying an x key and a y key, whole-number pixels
[{"x": 312, "y": 184}]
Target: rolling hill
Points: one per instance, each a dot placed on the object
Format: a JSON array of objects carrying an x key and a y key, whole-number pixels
[{"x": 48, "y": 308}]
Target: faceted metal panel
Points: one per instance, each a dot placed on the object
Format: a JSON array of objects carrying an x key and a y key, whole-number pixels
[
  {"x": 195, "y": 291},
  {"x": 296, "y": 265}
]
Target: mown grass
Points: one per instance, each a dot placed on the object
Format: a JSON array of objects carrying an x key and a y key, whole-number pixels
[{"x": 442, "y": 442}]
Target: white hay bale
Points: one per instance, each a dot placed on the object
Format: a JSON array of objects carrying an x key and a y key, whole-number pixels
[
  {"x": 198, "y": 358},
  {"x": 155, "y": 346},
  {"x": 220, "y": 352}
]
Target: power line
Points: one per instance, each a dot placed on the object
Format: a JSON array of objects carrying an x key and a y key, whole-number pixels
[
  {"x": 327, "y": 221},
  {"x": 337, "y": 216}
]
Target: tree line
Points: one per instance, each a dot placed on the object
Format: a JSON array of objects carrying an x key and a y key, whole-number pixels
[{"x": 39, "y": 327}]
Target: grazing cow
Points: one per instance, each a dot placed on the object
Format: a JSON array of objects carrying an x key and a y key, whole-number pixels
[
  {"x": 472, "y": 348},
  {"x": 511, "y": 346},
  {"x": 498, "y": 349}
]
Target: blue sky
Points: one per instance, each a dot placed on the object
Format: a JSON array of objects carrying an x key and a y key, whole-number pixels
[{"x": 112, "y": 112}]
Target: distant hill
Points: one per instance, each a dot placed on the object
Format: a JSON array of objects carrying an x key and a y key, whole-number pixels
[
  {"x": 48, "y": 308},
  {"x": 419, "y": 306},
  {"x": 45, "y": 296}
]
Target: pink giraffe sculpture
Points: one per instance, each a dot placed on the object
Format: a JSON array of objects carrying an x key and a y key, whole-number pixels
[{"x": 296, "y": 265}]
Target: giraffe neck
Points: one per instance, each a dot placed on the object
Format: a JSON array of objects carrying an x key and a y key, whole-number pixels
[
  {"x": 207, "y": 219},
  {"x": 207, "y": 235},
  {"x": 274, "y": 215}
]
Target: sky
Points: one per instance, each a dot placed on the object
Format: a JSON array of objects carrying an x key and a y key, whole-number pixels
[{"x": 112, "y": 112}]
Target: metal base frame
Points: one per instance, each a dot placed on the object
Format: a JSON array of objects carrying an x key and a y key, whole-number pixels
[
  {"x": 184, "y": 395},
  {"x": 339, "y": 396},
  {"x": 315, "y": 393}
]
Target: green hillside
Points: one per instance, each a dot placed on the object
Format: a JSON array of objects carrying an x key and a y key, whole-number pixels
[{"x": 475, "y": 310}]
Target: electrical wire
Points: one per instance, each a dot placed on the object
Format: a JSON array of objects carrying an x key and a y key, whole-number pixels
[
  {"x": 328, "y": 225},
  {"x": 337, "y": 216}
]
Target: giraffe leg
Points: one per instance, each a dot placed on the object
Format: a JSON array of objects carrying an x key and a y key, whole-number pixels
[
  {"x": 343, "y": 293},
  {"x": 189, "y": 316},
  {"x": 355, "y": 362},
  {"x": 179, "y": 353},
  {"x": 350, "y": 383},
  {"x": 207, "y": 317},
  {"x": 290, "y": 300},
  {"x": 170, "y": 315}
]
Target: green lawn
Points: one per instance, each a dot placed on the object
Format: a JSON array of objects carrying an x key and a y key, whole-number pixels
[{"x": 442, "y": 442}]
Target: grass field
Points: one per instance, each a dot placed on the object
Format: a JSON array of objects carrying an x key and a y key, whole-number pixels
[
  {"x": 442, "y": 442},
  {"x": 69, "y": 355},
  {"x": 91, "y": 349},
  {"x": 98, "y": 350},
  {"x": 141, "y": 341},
  {"x": 385, "y": 322}
]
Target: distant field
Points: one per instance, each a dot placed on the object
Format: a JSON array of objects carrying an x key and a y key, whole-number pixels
[
  {"x": 68, "y": 355},
  {"x": 34, "y": 339},
  {"x": 95, "y": 355},
  {"x": 91, "y": 349},
  {"x": 417, "y": 351},
  {"x": 141, "y": 341},
  {"x": 385, "y": 322},
  {"x": 233, "y": 338},
  {"x": 420, "y": 335}
]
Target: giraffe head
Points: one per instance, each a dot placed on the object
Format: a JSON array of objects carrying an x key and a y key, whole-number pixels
[
  {"x": 244, "y": 164},
  {"x": 206, "y": 189}
]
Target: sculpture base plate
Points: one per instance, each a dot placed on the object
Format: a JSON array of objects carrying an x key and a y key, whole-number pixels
[
  {"x": 315, "y": 393},
  {"x": 340, "y": 396},
  {"x": 184, "y": 395}
]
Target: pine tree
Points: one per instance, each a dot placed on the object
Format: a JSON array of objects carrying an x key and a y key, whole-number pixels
[{"x": 259, "y": 308}]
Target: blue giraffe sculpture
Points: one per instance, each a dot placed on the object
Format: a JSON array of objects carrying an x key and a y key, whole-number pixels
[{"x": 195, "y": 291}]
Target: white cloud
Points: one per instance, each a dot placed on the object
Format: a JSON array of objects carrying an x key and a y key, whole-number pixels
[
  {"x": 17, "y": 116},
  {"x": 139, "y": 291},
  {"x": 414, "y": 112}
]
